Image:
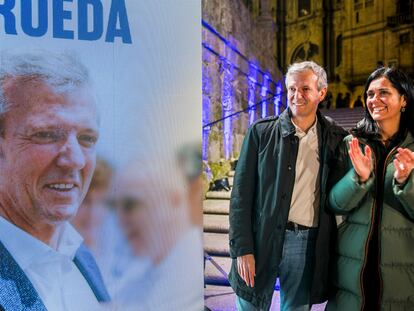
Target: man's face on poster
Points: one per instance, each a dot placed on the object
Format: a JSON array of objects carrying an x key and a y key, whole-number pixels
[{"x": 47, "y": 151}]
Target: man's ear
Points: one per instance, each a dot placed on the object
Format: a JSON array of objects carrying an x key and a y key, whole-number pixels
[{"x": 322, "y": 93}]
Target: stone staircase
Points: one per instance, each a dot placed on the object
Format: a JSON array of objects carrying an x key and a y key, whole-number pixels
[
  {"x": 345, "y": 117},
  {"x": 216, "y": 234},
  {"x": 216, "y": 211}
]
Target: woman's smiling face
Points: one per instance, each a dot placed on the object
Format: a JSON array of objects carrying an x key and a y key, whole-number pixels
[{"x": 384, "y": 102}]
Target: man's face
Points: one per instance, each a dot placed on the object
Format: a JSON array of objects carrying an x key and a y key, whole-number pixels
[
  {"x": 47, "y": 152},
  {"x": 303, "y": 94}
]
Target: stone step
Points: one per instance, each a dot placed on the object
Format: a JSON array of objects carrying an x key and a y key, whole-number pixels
[
  {"x": 213, "y": 206},
  {"x": 231, "y": 179},
  {"x": 344, "y": 113},
  {"x": 351, "y": 122},
  {"x": 216, "y": 244},
  {"x": 222, "y": 195},
  {"x": 220, "y": 298},
  {"x": 216, "y": 223},
  {"x": 212, "y": 275},
  {"x": 348, "y": 126},
  {"x": 345, "y": 116},
  {"x": 356, "y": 110},
  {"x": 347, "y": 120}
]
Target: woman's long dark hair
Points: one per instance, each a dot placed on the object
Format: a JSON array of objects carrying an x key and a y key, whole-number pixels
[{"x": 367, "y": 127}]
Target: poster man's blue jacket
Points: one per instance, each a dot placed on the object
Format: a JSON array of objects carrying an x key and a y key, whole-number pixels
[{"x": 18, "y": 294}]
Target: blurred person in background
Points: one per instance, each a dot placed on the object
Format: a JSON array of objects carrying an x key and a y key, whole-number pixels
[
  {"x": 190, "y": 162},
  {"x": 153, "y": 203},
  {"x": 347, "y": 100},
  {"x": 94, "y": 209},
  {"x": 96, "y": 221},
  {"x": 358, "y": 102},
  {"x": 339, "y": 102}
]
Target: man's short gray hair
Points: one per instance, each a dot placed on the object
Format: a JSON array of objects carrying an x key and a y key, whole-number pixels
[
  {"x": 62, "y": 72},
  {"x": 309, "y": 65}
]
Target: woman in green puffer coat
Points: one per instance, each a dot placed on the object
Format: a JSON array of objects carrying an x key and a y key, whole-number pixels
[{"x": 374, "y": 191}]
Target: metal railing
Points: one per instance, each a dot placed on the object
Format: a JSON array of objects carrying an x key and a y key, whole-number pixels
[
  {"x": 283, "y": 106},
  {"x": 272, "y": 95}
]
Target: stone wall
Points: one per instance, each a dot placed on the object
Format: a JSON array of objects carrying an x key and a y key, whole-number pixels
[{"x": 239, "y": 70}]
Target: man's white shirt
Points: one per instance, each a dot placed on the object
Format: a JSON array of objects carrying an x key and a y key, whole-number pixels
[
  {"x": 54, "y": 275},
  {"x": 304, "y": 208}
]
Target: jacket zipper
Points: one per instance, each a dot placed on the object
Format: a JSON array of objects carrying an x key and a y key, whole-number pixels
[
  {"x": 384, "y": 171},
  {"x": 369, "y": 236},
  {"x": 371, "y": 229}
]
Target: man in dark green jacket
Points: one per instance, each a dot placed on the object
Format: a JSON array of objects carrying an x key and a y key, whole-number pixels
[{"x": 278, "y": 223}]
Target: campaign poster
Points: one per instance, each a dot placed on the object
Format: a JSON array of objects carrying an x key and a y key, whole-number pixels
[{"x": 100, "y": 123}]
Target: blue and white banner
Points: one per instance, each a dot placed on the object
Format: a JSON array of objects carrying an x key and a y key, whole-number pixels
[{"x": 143, "y": 60}]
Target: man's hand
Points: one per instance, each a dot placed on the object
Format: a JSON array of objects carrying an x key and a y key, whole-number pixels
[
  {"x": 247, "y": 269},
  {"x": 362, "y": 162}
]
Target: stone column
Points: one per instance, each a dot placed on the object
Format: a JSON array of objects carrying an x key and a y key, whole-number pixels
[
  {"x": 265, "y": 10},
  {"x": 227, "y": 108},
  {"x": 206, "y": 103},
  {"x": 264, "y": 95},
  {"x": 252, "y": 80},
  {"x": 278, "y": 98},
  {"x": 268, "y": 33}
]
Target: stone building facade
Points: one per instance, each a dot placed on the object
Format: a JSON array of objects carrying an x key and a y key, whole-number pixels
[{"x": 349, "y": 38}]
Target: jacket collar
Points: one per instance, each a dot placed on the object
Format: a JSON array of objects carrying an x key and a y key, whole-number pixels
[
  {"x": 288, "y": 128},
  {"x": 87, "y": 266},
  {"x": 405, "y": 143},
  {"x": 286, "y": 124},
  {"x": 27, "y": 250},
  {"x": 16, "y": 290},
  {"x": 408, "y": 140}
]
